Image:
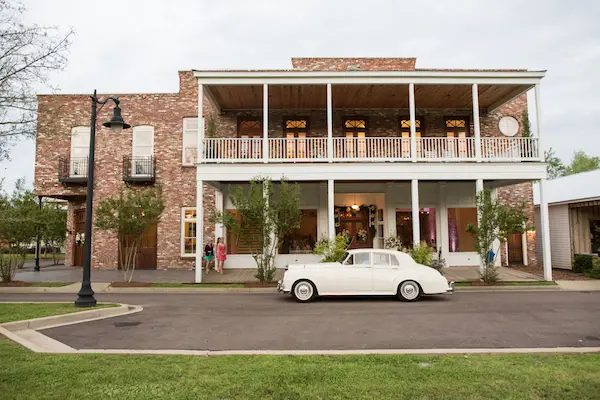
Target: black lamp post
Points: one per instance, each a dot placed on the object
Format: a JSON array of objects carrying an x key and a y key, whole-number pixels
[{"x": 85, "y": 297}]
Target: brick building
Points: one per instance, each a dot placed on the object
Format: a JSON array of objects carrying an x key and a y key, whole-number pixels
[{"x": 407, "y": 147}]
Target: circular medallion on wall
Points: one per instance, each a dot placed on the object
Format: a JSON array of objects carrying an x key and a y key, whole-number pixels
[{"x": 509, "y": 126}]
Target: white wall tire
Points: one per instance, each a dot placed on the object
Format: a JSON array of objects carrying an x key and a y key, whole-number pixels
[
  {"x": 409, "y": 291},
  {"x": 304, "y": 291}
]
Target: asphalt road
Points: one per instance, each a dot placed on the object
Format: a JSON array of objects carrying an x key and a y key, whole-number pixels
[{"x": 275, "y": 322}]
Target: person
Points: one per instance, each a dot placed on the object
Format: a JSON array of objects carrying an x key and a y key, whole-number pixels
[
  {"x": 221, "y": 255},
  {"x": 208, "y": 254}
]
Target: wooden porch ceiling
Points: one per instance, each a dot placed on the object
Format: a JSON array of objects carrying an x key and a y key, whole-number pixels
[{"x": 239, "y": 97}]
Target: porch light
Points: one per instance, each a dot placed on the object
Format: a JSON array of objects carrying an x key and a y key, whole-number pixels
[
  {"x": 355, "y": 207},
  {"x": 116, "y": 123}
]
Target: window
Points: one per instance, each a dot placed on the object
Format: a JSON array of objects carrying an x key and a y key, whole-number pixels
[
  {"x": 458, "y": 220},
  {"x": 405, "y": 133},
  {"x": 188, "y": 231},
  {"x": 250, "y": 128},
  {"x": 142, "y": 150},
  {"x": 302, "y": 240},
  {"x": 190, "y": 140},
  {"x": 426, "y": 224},
  {"x": 381, "y": 259},
  {"x": 362, "y": 259},
  {"x": 80, "y": 147},
  {"x": 457, "y": 127},
  {"x": 295, "y": 130},
  {"x": 355, "y": 131}
]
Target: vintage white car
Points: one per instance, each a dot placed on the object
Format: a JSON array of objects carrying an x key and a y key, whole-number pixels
[{"x": 364, "y": 272}]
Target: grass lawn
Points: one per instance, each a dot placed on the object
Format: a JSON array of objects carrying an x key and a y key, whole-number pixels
[
  {"x": 532, "y": 283},
  {"x": 10, "y": 312},
  {"x": 51, "y": 284},
  {"x": 60, "y": 256},
  {"x": 93, "y": 376}
]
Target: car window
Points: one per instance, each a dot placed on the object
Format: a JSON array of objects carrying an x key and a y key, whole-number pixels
[
  {"x": 381, "y": 259},
  {"x": 349, "y": 260},
  {"x": 394, "y": 260},
  {"x": 361, "y": 259}
]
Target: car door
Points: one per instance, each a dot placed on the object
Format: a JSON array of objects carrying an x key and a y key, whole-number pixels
[
  {"x": 356, "y": 277},
  {"x": 384, "y": 271}
]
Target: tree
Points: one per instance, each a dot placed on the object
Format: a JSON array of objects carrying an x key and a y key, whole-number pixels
[
  {"x": 128, "y": 215},
  {"x": 496, "y": 222},
  {"x": 28, "y": 54},
  {"x": 54, "y": 228},
  {"x": 332, "y": 250},
  {"x": 582, "y": 163},
  {"x": 555, "y": 168},
  {"x": 526, "y": 124},
  {"x": 263, "y": 220}
]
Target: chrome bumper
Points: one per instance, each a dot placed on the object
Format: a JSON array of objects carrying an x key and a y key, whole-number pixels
[
  {"x": 281, "y": 288},
  {"x": 450, "y": 289}
]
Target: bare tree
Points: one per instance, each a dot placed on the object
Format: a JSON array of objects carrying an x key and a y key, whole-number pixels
[{"x": 28, "y": 54}]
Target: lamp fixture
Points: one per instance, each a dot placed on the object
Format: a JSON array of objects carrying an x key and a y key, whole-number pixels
[{"x": 355, "y": 206}]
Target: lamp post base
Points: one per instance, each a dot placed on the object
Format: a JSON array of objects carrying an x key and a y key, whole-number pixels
[{"x": 85, "y": 297}]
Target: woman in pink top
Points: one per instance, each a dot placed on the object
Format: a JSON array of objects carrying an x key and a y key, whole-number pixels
[{"x": 221, "y": 255}]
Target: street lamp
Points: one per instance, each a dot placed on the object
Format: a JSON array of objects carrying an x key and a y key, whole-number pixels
[{"x": 85, "y": 297}]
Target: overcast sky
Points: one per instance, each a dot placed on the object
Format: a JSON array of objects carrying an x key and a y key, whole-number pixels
[{"x": 139, "y": 45}]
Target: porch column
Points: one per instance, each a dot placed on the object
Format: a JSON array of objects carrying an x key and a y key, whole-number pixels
[
  {"x": 479, "y": 189},
  {"x": 416, "y": 226},
  {"x": 219, "y": 231},
  {"x": 545, "y": 225},
  {"x": 265, "y": 146},
  {"x": 443, "y": 241},
  {"x": 390, "y": 211},
  {"x": 200, "y": 141},
  {"x": 199, "y": 225},
  {"x": 476, "y": 126},
  {"x": 329, "y": 124},
  {"x": 497, "y": 244},
  {"x": 413, "y": 129},
  {"x": 538, "y": 122},
  {"x": 524, "y": 244},
  {"x": 330, "y": 209}
]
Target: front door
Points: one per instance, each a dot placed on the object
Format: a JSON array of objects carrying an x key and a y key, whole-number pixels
[
  {"x": 146, "y": 255},
  {"x": 79, "y": 233},
  {"x": 515, "y": 248},
  {"x": 356, "y": 227}
]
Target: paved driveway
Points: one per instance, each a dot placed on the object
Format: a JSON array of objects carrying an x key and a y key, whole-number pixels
[{"x": 275, "y": 322}]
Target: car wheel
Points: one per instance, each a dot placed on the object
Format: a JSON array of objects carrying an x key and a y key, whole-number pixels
[
  {"x": 304, "y": 291},
  {"x": 409, "y": 291}
]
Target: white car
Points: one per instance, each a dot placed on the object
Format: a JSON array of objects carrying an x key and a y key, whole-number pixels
[{"x": 364, "y": 272}]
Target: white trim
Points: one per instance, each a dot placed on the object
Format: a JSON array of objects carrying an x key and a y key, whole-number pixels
[
  {"x": 329, "y": 123},
  {"x": 183, "y": 220},
  {"x": 199, "y": 226},
  {"x": 413, "y": 128},
  {"x": 265, "y": 147},
  {"x": 476, "y": 126},
  {"x": 545, "y": 225},
  {"x": 538, "y": 119},
  {"x": 330, "y": 209},
  {"x": 416, "y": 223},
  {"x": 200, "y": 144}
]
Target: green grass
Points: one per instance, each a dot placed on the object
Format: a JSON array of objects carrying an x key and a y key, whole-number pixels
[
  {"x": 196, "y": 285},
  {"x": 93, "y": 376},
  {"x": 10, "y": 312},
  {"x": 50, "y": 284},
  {"x": 29, "y": 256},
  {"x": 532, "y": 283}
]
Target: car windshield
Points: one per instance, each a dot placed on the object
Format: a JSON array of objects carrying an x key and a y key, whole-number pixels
[{"x": 343, "y": 257}]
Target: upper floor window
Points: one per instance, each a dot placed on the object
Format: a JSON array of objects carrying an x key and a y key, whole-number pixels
[
  {"x": 80, "y": 148},
  {"x": 250, "y": 127},
  {"x": 190, "y": 140},
  {"x": 142, "y": 149},
  {"x": 355, "y": 127},
  {"x": 405, "y": 127},
  {"x": 457, "y": 127},
  {"x": 296, "y": 128}
]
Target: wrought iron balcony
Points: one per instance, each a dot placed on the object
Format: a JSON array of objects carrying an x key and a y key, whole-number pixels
[
  {"x": 139, "y": 169},
  {"x": 73, "y": 170}
]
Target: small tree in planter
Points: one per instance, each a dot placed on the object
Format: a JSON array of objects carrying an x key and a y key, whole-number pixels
[
  {"x": 128, "y": 215},
  {"x": 263, "y": 220},
  {"x": 496, "y": 222},
  {"x": 332, "y": 250}
]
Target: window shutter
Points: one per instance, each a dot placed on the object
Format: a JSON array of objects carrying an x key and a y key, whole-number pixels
[
  {"x": 143, "y": 141},
  {"x": 190, "y": 140},
  {"x": 80, "y": 142}
]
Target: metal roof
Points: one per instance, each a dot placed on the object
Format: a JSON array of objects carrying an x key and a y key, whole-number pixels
[{"x": 584, "y": 186}]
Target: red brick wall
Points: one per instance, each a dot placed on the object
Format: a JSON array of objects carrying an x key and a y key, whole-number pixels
[{"x": 349, "y": 64}]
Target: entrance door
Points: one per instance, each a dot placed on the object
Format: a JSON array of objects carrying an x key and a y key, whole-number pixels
[
  {"x": 357, "y": 228},
  {"x": 146, "y": 256},
  {"x": 79, "y": 232},
  {"x": 515, "y": 248}
]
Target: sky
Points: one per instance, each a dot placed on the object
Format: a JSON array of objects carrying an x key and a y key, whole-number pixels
[{"x": 124, "y": 46}]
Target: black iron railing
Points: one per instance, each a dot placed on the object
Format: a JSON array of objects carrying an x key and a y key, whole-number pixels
[
  {"x": 73, "y": 170},
  {"x": 139, "y": 169}
]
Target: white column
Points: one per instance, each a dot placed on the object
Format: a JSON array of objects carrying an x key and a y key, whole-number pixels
[
  {"x": 538, "y": 122},
  {"x": 524, "y": 244},
  {"x": 414, "y": 192},
  {"x": 476, "y": 126},
  {"x": 219, "y": 231},
  {"x": 329, "y": 124},
  {"x": 330, "y": 209},
  {"x": 443, "y": 238},
  {"x": 479, "y": 189},
  {"x": 390, "y": 211},
  {"x": 265, "y": 147},
  {"x": 200, "y": 141},
  {"x": 545, "y": 225},
  {"x": 199, "y": 225},
  {"x": 413, "y": 129}
]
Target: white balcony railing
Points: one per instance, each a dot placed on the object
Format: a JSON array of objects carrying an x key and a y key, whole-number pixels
[
  {"x": 297, "y": 149},
  {"x": 369, "y": 149},
  {"x": 445, "y": 149},
  {"x": 510, "y": 149}
]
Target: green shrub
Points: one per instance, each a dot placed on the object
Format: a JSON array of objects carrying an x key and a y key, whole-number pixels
[
  {"x": 422, "y": 254},
  {"x": 331, "y": 250},
  {"x": 583, "y": 262},
  {"x": 594, "y": 272}
]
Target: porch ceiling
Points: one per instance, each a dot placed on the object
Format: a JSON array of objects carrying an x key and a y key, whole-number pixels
[{"x": 249, "y": 97}]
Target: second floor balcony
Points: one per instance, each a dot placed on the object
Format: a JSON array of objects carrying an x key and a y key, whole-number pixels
[
  {"x": 139, "y": 169},
  {"x": 369, "y": 149},
  {"x": 73, "y": 170}
]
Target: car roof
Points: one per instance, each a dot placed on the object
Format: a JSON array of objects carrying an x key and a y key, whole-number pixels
[{"x": 370, "y": 250}]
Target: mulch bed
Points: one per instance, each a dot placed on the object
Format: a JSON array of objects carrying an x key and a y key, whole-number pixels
[
  {"x": 130, "y": 284},
  {"x": 259, "y": 285},
  {"x": 15, "y": 284},
  {"x": 557, "y": 274}
]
